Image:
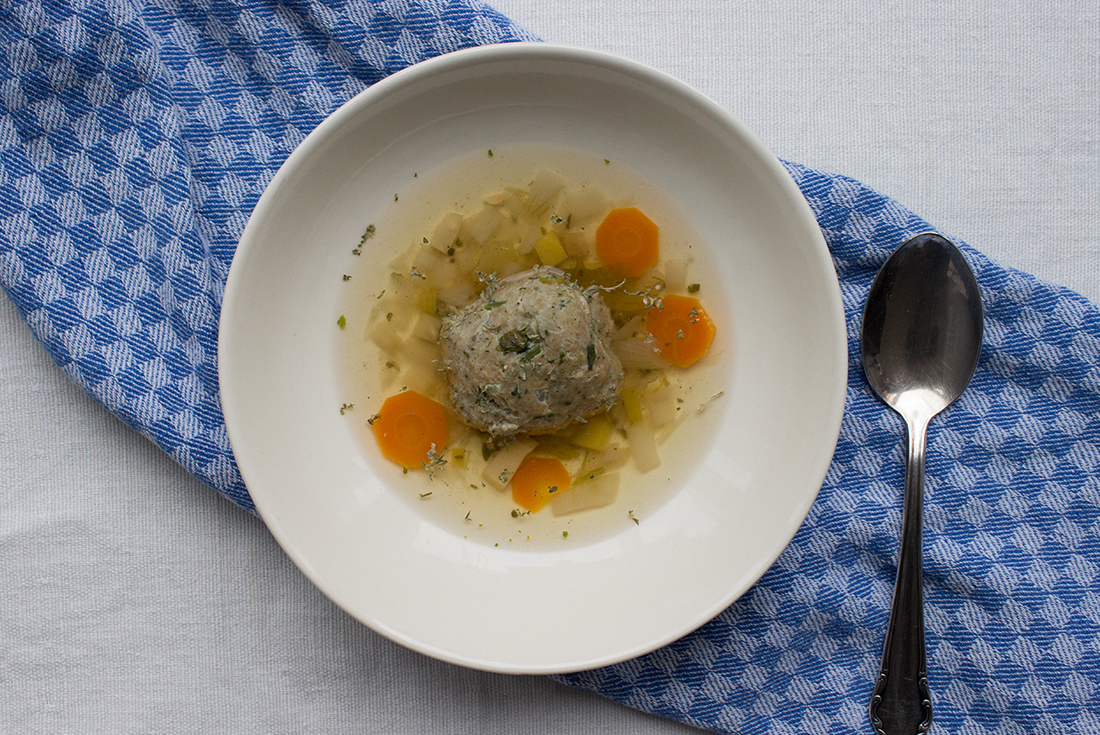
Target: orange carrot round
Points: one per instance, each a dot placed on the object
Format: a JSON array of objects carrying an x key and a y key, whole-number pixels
[
  {"x": 681, "y": 328},
  {"x": 537, "y": 480},
  {"x": 407, "y": 426},
  {"x": 626, "y": 242}
]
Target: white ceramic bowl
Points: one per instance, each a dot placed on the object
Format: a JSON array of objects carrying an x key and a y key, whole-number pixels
[{"x": 592, "y": 600}]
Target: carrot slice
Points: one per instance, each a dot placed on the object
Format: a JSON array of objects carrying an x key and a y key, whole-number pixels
[
  {"x": 537, "y": 481},
  {"x": 626, "y": 242},
  {"x": 407, "y": 426},
  {"x": 682, "y": 330}
]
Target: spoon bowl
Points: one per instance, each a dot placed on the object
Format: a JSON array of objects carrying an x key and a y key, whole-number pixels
[
  {"x": 922, "y": 326},
  {"x": 922, "y": 336}
]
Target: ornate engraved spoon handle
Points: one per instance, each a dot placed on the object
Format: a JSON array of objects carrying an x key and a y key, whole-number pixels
[{"x": 901, "y": 703}]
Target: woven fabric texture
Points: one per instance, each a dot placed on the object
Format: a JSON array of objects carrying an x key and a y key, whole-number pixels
[
  {"x": 1011, "y": 532},
  {"x": 135, "y": 140}
]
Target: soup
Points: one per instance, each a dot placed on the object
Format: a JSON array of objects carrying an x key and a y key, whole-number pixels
[{"x": 442, "y": 259}]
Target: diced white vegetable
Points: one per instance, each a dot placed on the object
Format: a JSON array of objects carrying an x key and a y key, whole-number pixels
[
  {"x": 585, "y": 203},
  {"x": 509, "y": 233},
  {"x": 574, "y": 465},
  {"x": 390, "y": 373},
  {"x": 403, "y": 262},
  {"x": 544, "y": 190},
  {"x": 595, "y": 493},
  {"x": 423, "y": 378},
  {"x": 457, "y": 293},
  {"x": 643, "y": 446},
  {"x": 676, "y": 274},
  {"x": 614, "y": 457},
  {"x": 444, "y": 273},
  {"x": 427, "y": 327},
  {"x": 466, "y": 257},
  {"x": 580, "y": 243},
  {"x": 393, "y": 310},
  {"x": 495, "y": 257},
  {"x": 427, "y": 260},
  {"x": 446, "y": 232},
  {"x": 510, "y": 269},
  {"x": 478, "y": 227},
  {"x": 385, "y": 336},
  {"x": 661, "y": 406},
  {"x": 627, "y": 330},
  {"x": 502, "y": 465},
  {"x": 529, "y": 239},
  {"x": 635, "y": 353}
]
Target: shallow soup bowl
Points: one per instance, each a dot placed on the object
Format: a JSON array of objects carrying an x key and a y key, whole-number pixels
[{"x": 681, "y": 542}]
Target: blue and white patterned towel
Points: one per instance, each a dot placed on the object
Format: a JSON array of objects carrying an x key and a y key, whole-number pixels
[{"x": 134, "y": 141}]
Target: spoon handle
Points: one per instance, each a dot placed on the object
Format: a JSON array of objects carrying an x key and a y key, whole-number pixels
[{"x": 901, "y": 703}]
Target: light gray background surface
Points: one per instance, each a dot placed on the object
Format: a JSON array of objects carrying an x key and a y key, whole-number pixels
[{"x": 136, "y": 600}]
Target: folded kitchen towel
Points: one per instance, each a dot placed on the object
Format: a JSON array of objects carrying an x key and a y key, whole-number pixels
[
  {"x": 135, "y": 140},
  {"x": 1011, "y": 533}
]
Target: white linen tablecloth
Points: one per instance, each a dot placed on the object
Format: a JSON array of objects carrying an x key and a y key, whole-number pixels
[{"x": 137, "y": 600}]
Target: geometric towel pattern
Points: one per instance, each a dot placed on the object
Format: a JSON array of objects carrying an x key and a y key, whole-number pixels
[
  {"x": 1011, "y": 533},
  {"x": 135, "y": 140}
]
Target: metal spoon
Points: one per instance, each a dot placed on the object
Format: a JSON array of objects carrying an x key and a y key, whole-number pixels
[{"x": 922, "y": 334}]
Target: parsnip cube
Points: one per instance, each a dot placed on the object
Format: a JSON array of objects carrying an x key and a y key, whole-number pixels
[
  {"x": 544, "y": 191},
  {"x": 585, "y": 203},
  {"x": 457, "y": 293},
  {"x": 446, "y": 232},
  {"x": 502, "y": 465},
  {"x": 425, "y": 300},
  {"x": 613, "y": 458},
  {"x": 527, "y": 242},
  {"x": 423, "y": 378},
  {"x": 479, "y": 227},
  {"x": 466, "y": 257},
  {"x": 496, "y": 257},
  {"x": 385, "y": 336},
  {"x": 643, "y": 447},
  {"x": 427, "y": 259},
  {"x": 594, "y": 493},
  {"x": 427, "y": 327},
  {"x": 676, "y": 275},
  {"x": 661, "y": 405},
  {"x": 581, "y": 243}
]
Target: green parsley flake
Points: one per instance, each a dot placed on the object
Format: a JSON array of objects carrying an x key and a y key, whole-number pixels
[{"x": 342, "y": 322}]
